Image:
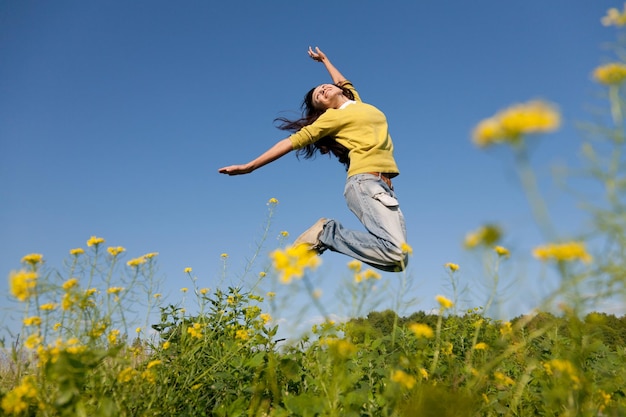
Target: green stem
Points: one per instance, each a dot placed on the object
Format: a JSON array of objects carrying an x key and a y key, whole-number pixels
[
  {"x": 311, "y": 291},
  {"x": 433, "y": 366},
  {"x": 533, "y": 195}
]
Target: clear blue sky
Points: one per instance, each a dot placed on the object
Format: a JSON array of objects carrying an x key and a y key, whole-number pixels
[{"x": 115, "y": 117}]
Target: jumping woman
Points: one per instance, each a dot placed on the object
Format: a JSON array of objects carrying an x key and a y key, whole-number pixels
[{"x": 335, "y": 120}]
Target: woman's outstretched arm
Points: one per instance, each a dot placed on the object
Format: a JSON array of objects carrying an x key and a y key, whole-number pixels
[
  {"x": 320, "y": 56},
  {"x": 279, "y": 149}
]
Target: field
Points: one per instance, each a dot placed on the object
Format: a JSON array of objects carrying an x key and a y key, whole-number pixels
[{"x": 79, "y": 352}]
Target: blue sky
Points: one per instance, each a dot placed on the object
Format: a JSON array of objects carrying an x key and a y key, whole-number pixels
[{"x": 115, "y": 117}]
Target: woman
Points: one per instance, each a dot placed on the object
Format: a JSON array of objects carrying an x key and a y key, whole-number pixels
[{"x": 335, "y": 120}]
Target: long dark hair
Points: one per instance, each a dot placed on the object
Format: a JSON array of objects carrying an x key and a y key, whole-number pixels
[{"x": 325, "y": 145}]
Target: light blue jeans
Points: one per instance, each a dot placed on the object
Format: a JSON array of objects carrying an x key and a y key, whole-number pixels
[{"x": 376, "y": 206}]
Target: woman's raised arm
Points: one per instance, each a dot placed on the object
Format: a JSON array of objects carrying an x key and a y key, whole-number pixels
[{"x": 320, "y": 56}]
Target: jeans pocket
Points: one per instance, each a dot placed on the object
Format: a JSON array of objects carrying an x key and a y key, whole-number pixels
[
  {"x": 375, "y": 190},
  {"x": 386, "y": 199}
]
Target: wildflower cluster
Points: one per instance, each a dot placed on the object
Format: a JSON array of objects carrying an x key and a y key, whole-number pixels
[
  {"x": 22, "y": 284},
  {"x": 610, "y": 74},
  {"x": 563, "y": 252},
  {"x": 360, "y": 275},
  {"x": 487, "y": 235},
  {"x": 17, "y": 400},
  {"x": 294, "y": 261},
  {"x": 510, "y": 125},
  {"x": 421, "y": 330},
  {"x": 614, "y": 17}
]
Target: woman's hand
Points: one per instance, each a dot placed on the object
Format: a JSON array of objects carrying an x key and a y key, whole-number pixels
[
  {"x": 320, "y": 56},
  {"x": 236, "y": 169},
  {"x": 317, "y": 55},
  {"x": 279, "y": 149}
]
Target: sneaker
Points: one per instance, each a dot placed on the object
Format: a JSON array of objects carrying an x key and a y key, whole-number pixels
[{"x": 312, "y": 234}]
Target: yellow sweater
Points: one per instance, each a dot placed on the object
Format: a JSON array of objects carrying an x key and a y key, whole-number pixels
[{"x": 361, "y": 128}]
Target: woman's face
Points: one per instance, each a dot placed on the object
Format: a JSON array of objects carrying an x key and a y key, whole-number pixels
[{"x": 326, "y": 96}]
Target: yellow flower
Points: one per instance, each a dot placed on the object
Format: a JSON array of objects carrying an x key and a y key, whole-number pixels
[
  {"x": 421, "y": 330},
  {"x": 32, "y": 321},
  {"x": 424, "y": 373},
  {"x": 606, "y": 399},
  {"x": 91, "y": 291},
  {"x": 98, "y": 329},
  {"x": 511, "y": 124},
  {"x": 114, "y": 251},
  {"x": 262, "y": 274},
  {"x": 355, "y": 265},
  {"x": 187, "y": 270},
  {"x": 95, "y": 241},
  {"x": 265, "y": 317},
  {"x": 157, "y": 295},
  {"x": 204, "y": 291},
  {"x": 48, "y": 306},
  {"x": 284, "y": 233},
  {"x": 151, "y": 255},
  {"x": 195, "y": 330},
  {"x": 485, "y": 235},
  {"x": 614, "y": 17},
  {"x": 14, "y": 401},
  {"x": 242, "y": 334},
  {"x": 371, "y": 274},
  {"x": 340, "y": 347},
  {"x": 506, "y": 328},
  {"x": 487, "y": 132},
  {"x": 251, "y": 312},
  {"x": 444, "y": 302},
  {"x": 270, "y": 294},
  {"x": 503, "y": 379},
  {"x": 404, "y": 379},
  {"x": 406, "y": 248},
  {"x": 33, "y": 341},
  {"x": 529, "y": 118},
  {"x": 452, "y": 267},
  {"x": 138, "y": 330},
  {"x": 114, "y": 290},
  {"x": 126, "y": 375},
  {"x": 166, "y": 345},
  {"x": 33, "y": 258},
  {"x": 68, "y": 301},
  {"x": 113, "y": 335},
  {"x": 610, "y": 74},
  {"x": 224, "y": 255},
  {"x": 148, "y": 376},
  {"x": 272, "y": 201},
  {"x": 502, "y": 251},
  {"x": 562, "y": 367},
  {"x": 481, "y": 346},
  {"x": 70, "y": 283},
  {"x": 293, "y": 261},
  {"x": 137, "y": 261},
  {"x": 568, "y": 251},
  {"x": 22, "y": 284},
  {"x": 154, "y": 363},
  {"x": 77, "y": 251}
]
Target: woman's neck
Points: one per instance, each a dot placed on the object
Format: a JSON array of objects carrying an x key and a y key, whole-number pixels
[{"x": 341, "y": 99}]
